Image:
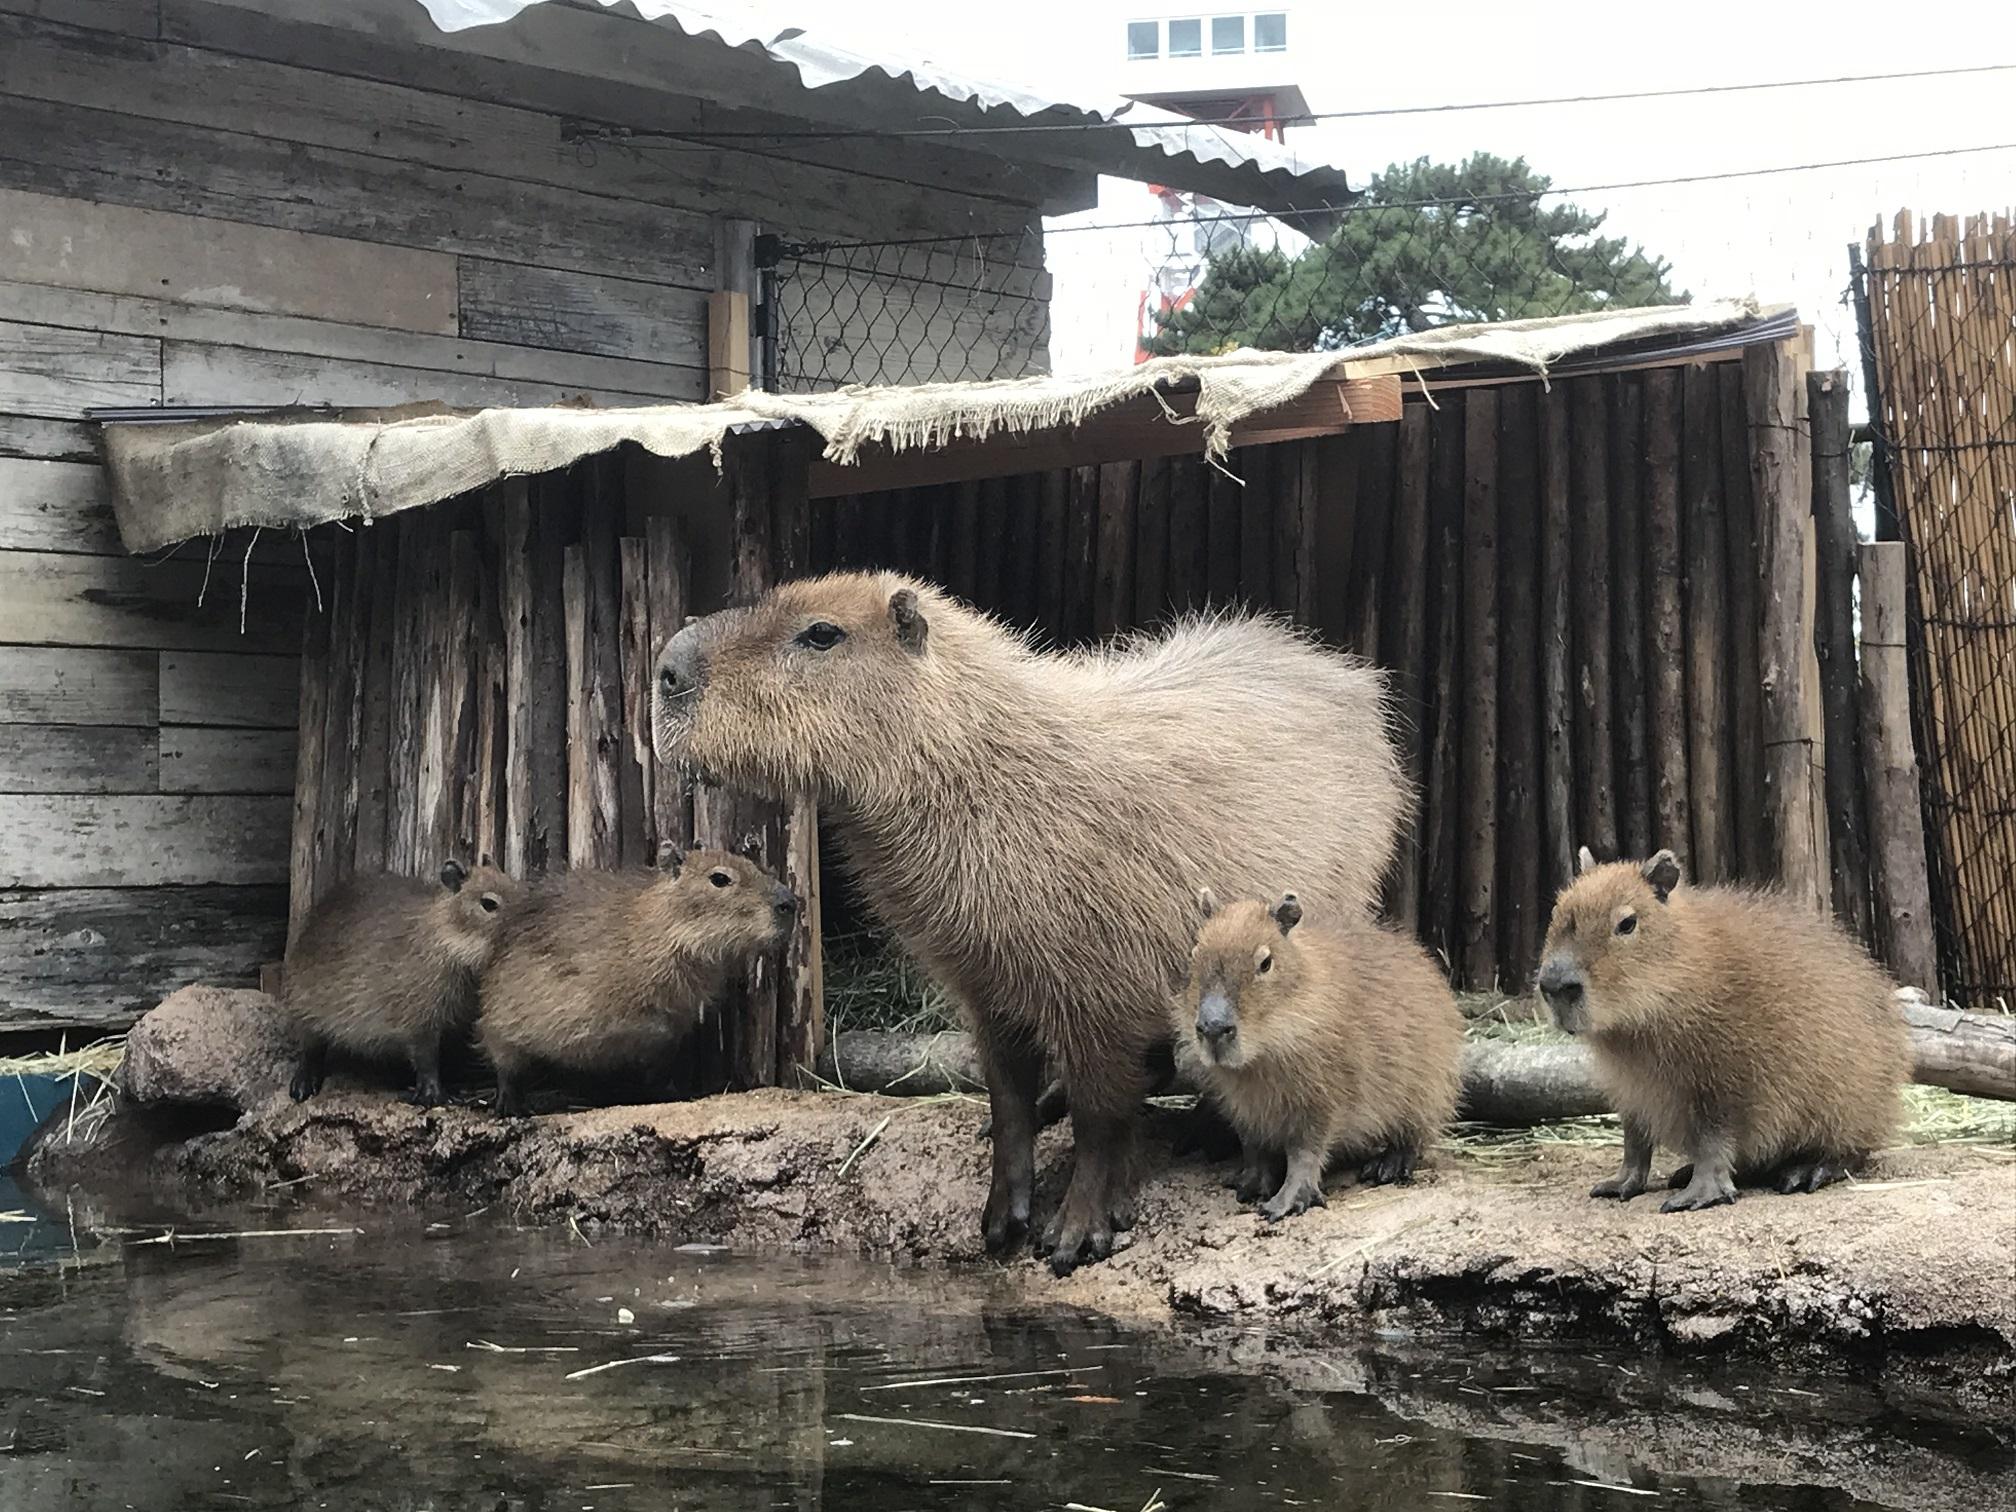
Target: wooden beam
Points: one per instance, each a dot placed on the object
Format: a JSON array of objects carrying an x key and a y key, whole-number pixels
[
  {"x": 1130, "y": 431},
  {"x": 727, "y": 343},
  {"x": 1899, "y": 889}
]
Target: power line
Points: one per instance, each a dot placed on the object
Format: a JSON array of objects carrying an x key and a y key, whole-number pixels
[
  {"x": 1038, "y": 128},
  {"x": 1452, "y": 201}
]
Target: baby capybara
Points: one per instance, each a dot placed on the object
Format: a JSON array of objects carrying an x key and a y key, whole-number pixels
[
  {"x": 1734, "y": 1026},
  {"x": 608, "y": 972},
  {"x": 1320, "y": 1044},
  {"x": 1033, "y": 827},
  {"x": 386, "y": 966}
]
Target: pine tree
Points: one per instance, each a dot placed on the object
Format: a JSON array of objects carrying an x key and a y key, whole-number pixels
[{"x": 1430, "y": 243}]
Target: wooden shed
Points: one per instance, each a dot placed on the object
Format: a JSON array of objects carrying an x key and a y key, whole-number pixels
[
  {"x": 245, "y": 204},
  {"x": 1573, "y": 583}
]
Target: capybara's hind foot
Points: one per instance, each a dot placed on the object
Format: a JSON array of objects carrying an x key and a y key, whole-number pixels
[
  {"x": 1393, "y": 1164},
  {"x": 427, "y": 1093},
  {"x": 1801, "y": 1175},
  {"x": 1006, "y": 1223},
  {"x": 1680, "y": 1177},
  {"x": 1077, "y": 1237},
  {"x": 303, "y": 1086},
  {"x": 1249, "y": 1183},
  {"x": 1622, "y": 1188},
  {"x": 1706, "y": 1190}
]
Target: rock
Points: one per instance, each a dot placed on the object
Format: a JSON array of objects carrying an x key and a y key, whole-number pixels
[{"x": 209, "y": 1047}]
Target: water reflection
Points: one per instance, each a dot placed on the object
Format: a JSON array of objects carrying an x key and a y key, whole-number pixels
[{"x": 470, "y": 1366}]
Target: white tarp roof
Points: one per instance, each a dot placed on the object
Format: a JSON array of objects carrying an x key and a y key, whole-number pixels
[
  {"x": 1161, "y": 146},
  {"x": 173, "y": 480}
]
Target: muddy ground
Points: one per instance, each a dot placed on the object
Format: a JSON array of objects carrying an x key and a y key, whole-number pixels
[{"x": 1909, "y": 1275}]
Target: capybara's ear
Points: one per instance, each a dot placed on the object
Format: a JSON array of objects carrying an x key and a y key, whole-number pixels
[
  {"x": 453, "y": 875},
  {"x": 670, "y": 857},
  {"x": 1663, "y": 872},
  {"x": 908, "y": 617},
  {"x": 1288, "y": 912},
  {"x": 1585, "y": 860},
  {"x": 1207, "y": 902}
]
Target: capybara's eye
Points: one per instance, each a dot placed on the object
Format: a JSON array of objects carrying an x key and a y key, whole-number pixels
[
  {"x": 821, "y": 636},
  {"x": 668, "y": 681},
  {"x": 1265, "y": 964},
  {"x": 719, "y": 878},
  {"x": 489, "y": 902},
  {"x": 1628, "y": 924}
]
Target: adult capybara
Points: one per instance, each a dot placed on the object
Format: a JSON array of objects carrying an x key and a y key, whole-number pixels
[
  {"x": 608, "y": 972},
  {"x": 1034, "y": 827},
  {"x": 387, "y": 965},
  {"x": 1321, "y": 1043},
  {"x": 1736, "y": 1027}
]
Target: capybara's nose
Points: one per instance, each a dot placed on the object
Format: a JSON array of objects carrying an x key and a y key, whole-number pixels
[
  {"x": 1217, "y": 1021},
  {"x": 682, "y": 665},
  {"x": 1559, "y": 980},
  {"x": 785, "y": 902}
]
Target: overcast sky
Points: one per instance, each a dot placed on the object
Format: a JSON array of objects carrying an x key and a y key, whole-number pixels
[{"x": 1780, "y": 238}]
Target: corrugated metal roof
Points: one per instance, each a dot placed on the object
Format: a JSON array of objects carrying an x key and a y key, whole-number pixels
[{"x": 1159, "y": 146}]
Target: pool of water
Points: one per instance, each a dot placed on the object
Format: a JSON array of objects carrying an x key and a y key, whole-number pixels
[{"x": 471, "y": 1365}]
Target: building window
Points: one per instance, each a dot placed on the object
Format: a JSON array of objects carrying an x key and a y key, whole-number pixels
[
  {"x": 1270, "y": 32},
  {"x": 1144, "y": 39},
  {"x": 1228, "y": 34},
  {"x": 1186, "y": 39}
]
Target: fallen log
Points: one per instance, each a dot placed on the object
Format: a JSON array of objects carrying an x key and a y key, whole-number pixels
[{"x": 1503, "y": 1082}]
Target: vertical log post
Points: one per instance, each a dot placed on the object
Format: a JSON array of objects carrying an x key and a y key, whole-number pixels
[
  {"x": 1627, "y": 615},
  {"x": 1708, "y": 777},
  {"x": 369, "y": 771},
  {"x": 1834, "y": 644},
  {"x": 1665, "y": 620},
  {"x": 1081, "y": 555},
  {"x": 1900, "y": 891},
  {"x": 666, "y": 587},
  {"x": 637, "y": 656},
  {"x": 1151, "y": 542},
  {"x": 1113, "y": 579},
  {"x": 1590, "y": 507},
  {"x": 1442, "y": 809},
  {"x": 1189, "y": 535},
  {"x": 1404, "y": 633},
  {"x": 1771, "y": 397},
  {"x": 317, "y": 629},
  {"x": 1222, "y": 526},
  {"x": 1557, "y": 694},
  {"x": 346, "y": 599},
  {"x": 1259, "y": 468},
  {"x": 1479, "y": 958},
  {"x": 409, "y": 655},
  {"x": 1373, "y": 506},
  {"x": 1336, "y": 508},
  {"x": 1052, "y": 530},
  {"x": 454, "y": 830},
  {"x": 1746, "y": 691},
  {"x": 1522, "y": 900}
]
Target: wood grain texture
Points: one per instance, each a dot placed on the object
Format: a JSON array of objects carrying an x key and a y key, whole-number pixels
[
  {"x": 1477, "y": 916},
  {"x": 1557, "y": 695},
  {"x": 1665, "y": 619},
  {"x": 1627, "y": 616},
  {"x": 141, "y": 841},
  {"x": 565, "y": 311},
  {"x": 78, "y": 759},
  {"x": 69, "y": 686},
  {"x": 1522, "y": 896},
  {"x": 55, "y": 506},
  {"x": 1591, "y": 509},
  {"x": 1709, "y": 780},
  {"x": 58, "y": 374},
  {"x": 196, "y": 760},
  {"x": 227, "y": 688},
  {"x": 60, "y": 600}
]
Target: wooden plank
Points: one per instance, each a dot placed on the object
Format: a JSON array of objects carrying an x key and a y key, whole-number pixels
[
  {"x": 71, "y": 840},
  {"x": 1373, "y": 506},
  {"x": 58, "y": 600},
  {"x": 1478, "y": 958},
  {"x": 484, "y": 371},
  {"x": 229, "y": 375},
  {"x": 1899, "y": 886},
  {"x": 196, "y": 760},
  {"x": 202, "y": 260},
  {"x": 48, "y": 440},
  {"x": 990, "y": 564},
  {"x": 55, "y": 506},
  {"x": 111, "y": 158},
  {"x": 131, "y": 18},
  {"x": 99, "y": 957},
  {"x": 455, "y": 683},
  {"x": 1557, "y": 696},
  {"x": 636, "y": 766},
  {"x": 78, "y": 759},
  {"x": 556, "y": 309},
  {"x": 306, "y": 851},
  {"x": 1627, "y": 616},
  {"x": 349, "y": 758},
  {"x": 1129, "y": 431},
  {"x": 1053, "y": 513},
  {"x": 59, "y": 374},
  {"x": 1665, "y": 619},
  {"x": 371, "y": 770},
  {"x": 1522, "y": 898},
  {"x": 226, "y": 688},
  {"x": 1113, "y": 582},
  {"x": 1404, "y": 636},
  {"x": 1834, "y": 643},
  {"x": 727, "y": 343},
  {"x": 1441, "y": 819},
  {"x": 594, "y": 816},
  {"x": 1745, "y": 678},
  {"x": 1336, "y": 508},
  {"x": 1081, "y": 541},
  {"x": 1591, "y": 508},
  {"x": 1708, "y": 765},
  {"x": 1222, "y": 530},
  {"x": 1151, "y": 543},
  {"x": 419, "y": 540},
  {"x": 1258, "y": 471},
  {"x": 1189, "y": 535},
  {"x": 64, "y": 686},
  {"x": 1783, "y": 509}
]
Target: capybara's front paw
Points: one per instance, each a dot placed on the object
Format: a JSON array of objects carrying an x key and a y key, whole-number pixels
[
  {"x": 1006, "y": 1223},
  {"x": 1393, "y": 1164},
  {"x": 1249, "y": 1183},
  {"x": 1295, "y": 1197},
  {"x": 1704, "y": 1191},
  {"x": 1808, "y": 1175},
  {"x": 1072, "y": 1242},
  {"x": 1622, "y": 1188},
  {"x": 427, "y": 1093},
  {"x": 305, "y": 1085}
]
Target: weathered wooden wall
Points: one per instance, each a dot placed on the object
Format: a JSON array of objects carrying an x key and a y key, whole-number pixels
[{"x": 262, "y": 202}]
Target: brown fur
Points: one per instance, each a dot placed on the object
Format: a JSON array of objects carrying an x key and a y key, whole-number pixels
[
  {"x": 1033, "y": 826},
  {"x": 609, "y": 971},
  {"x": 1331, "y": 1043},
  {"x": 1734, "y": 1026},
  {"x": 388, "y": 965}
]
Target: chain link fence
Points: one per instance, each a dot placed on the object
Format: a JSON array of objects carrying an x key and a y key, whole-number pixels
[{"x": 1937, "y": 315}]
